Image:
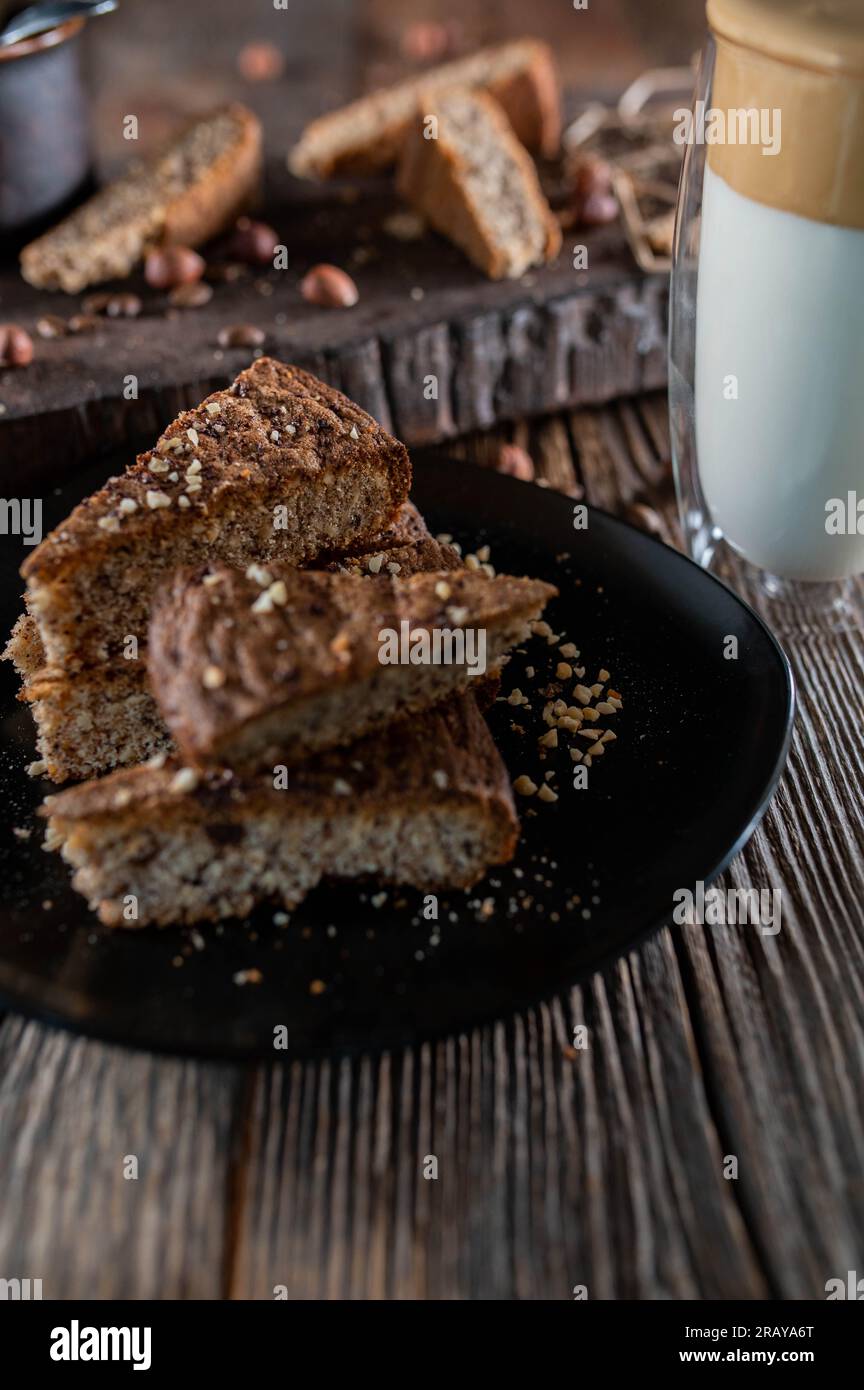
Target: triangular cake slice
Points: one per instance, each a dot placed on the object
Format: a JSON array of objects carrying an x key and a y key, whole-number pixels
[
  {"x": 477, "y": 184},
  {"x": 278, "y": 467},
  {"x": 367, "y": 135},
  {"x": 426, "y": 804},
  {"x": 182, "y": 196},
  {"x": 276, "y": 664}
]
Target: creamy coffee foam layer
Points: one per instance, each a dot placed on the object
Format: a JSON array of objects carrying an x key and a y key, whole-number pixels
[{"x": 805, "y": 59}]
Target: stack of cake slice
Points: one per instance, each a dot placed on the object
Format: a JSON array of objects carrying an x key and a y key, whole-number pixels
[
  {"x": 288, "y": 748},
  {"x": 459, "y": 136}
]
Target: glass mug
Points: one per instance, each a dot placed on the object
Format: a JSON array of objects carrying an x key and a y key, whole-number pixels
[{"x": 766, "y": 344}]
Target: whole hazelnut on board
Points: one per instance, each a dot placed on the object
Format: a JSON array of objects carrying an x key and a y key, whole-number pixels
[
  {"x": 16, "y": 346},
  {"x": 241, "y": 335},
  {"x": 253, "y": 243},
  {"x": 425, "y": 42},
  {"x": 594, "y": 202},
  {"x": 172, "y": 265},
  {"x": 513, "y": 460},
  {"x": 329, "y": 287}
]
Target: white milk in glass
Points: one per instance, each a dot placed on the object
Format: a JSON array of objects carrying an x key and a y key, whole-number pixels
[{"x": 779, "y": 381}]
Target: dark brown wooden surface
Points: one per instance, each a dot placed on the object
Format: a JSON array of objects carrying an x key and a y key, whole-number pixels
[
  {"x": 601, "y": 1167},
  {"x": 557, "y": 337}
]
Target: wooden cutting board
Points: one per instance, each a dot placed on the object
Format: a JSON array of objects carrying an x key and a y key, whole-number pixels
[{"x": 497, "y": 351}]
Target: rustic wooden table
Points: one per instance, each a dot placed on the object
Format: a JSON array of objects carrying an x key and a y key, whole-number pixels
[{"x": 603, "y": 1167}]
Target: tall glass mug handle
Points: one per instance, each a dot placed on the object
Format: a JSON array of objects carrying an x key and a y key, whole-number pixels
[{"x": 699, "y": 534}]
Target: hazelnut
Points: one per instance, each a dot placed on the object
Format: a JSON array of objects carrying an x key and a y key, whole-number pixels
[
  {"x": 593, "y": 201},
  {"x": 51, "y": 326},
  {"x": 172, "y": 265},
  {"x": 260, "y": 62},
  {"x": 95, "y": 303},
  {"x": 16, "y": 346},
  {"x": 123, "y": 306},
  {"x": 425, "y": 42},
  {"x": 253, "y": 243},
  {"x": 515, "y": 462},
  {"x": 241, "y": 335},
  {"x": 597, "y": 209},
  {"x": 193, "y": 296},
  {"x": 82, "y": 323},
  {"x": 329, "y": 287}
]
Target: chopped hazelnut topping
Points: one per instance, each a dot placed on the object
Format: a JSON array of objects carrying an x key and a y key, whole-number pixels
[
  {"x": 375, "y": 563},
  {"x": 569, "y": 649},
  {"x": 550, "y": 739},
  {"x": 442, "y": 589},
  {"x": 523, "y": 786},
  {"x": 183, "y": 501},
  {"x": 128, "y": 504},
  {"x": 341, "y": 787},
  {"x": 212, "y": 407},
  {"x": 546, "y": 793},
  {"x": 263, "y": 603},
  {"x": 158, "y": 466},
  {"x": 457, "y": 616},
  {"x": 603, "y": 675},
  {"x": 157, "y": 499},
  {"x": 36, "y": 769},
  {"x": 192, "y": 436},
  {"x": 261, "y": 576},
  {"x": 193, "y": 467},
  {"x": 354, "y": 432},
  {"x": 394, "y": 567},
  {"x": 563, "y": 671},
  {"x": 440, "y": 778},
  {"x": 108, "y": 523},
  {"x": 186, "y": 780},
  {"x": 278, "y": 593},
  {"x": 213, "y": 677},
  {"x": 583, "y": 694}
]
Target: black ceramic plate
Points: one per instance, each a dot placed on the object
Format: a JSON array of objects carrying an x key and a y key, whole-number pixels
[{"x": 701, "y": 742}]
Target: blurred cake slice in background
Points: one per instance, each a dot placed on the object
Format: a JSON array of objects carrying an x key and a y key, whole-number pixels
[
  {"x": 475, "y": 182},
  {"x": 190, "y": 191},
  {"x": 367, "y": 135}
]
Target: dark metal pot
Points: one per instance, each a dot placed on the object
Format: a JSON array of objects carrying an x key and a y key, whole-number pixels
[{"x": 45, "y": 156}]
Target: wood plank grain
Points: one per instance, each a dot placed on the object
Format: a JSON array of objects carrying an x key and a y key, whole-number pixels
[{"x": 72, "y": 1114}]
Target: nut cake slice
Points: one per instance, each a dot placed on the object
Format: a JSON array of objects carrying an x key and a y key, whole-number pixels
[
  {"x": 367, "y": 135},
  {"x": 128, "y": 726},
  {"x": 184, "y": 195},
  {"x": 477, "y": 184},
  {"x": 426, "y": 805},
  {"x": 278, "y": 663}
]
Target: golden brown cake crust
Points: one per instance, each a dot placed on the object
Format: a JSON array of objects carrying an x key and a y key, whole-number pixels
[
  {"x": 164, "y": 200},
  {"x": 503, "y": 224},
  {"x": 275, "y": 425},
  {"x": 223, "y": 653},
  {"x": 367, "y": 135}
]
